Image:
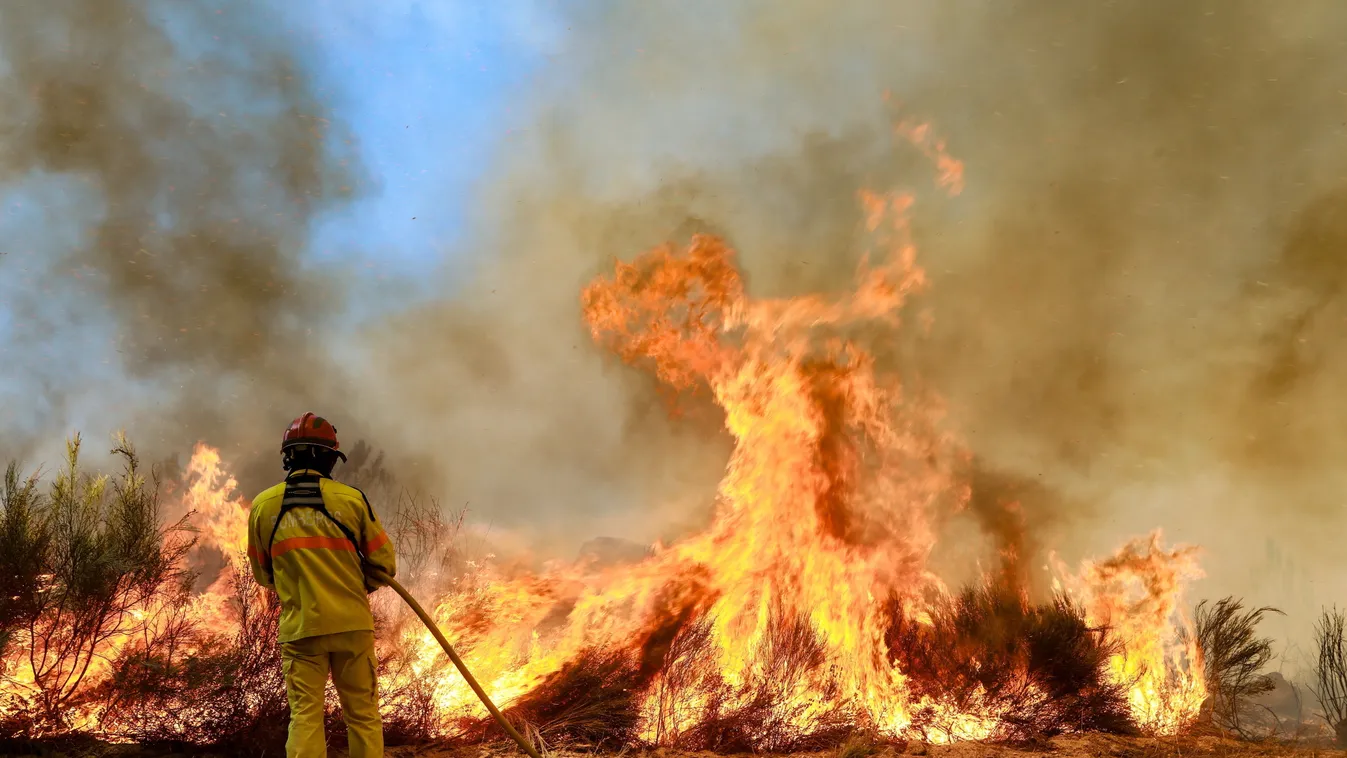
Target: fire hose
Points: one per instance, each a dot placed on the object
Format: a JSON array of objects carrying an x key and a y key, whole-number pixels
[{"x": 524, "y": 744}]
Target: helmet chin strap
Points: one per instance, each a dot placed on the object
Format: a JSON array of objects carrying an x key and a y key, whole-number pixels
[{"x": 319, "y": 459}]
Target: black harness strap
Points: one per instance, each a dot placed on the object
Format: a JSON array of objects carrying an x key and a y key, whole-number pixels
[
  {"x": 306, "y": 492},
  {"x": 368, "y": 507}
]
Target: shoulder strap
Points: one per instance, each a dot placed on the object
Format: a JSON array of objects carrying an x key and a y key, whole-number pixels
[
  {"x": 368, "y": 507},
  {"x": 306, "y": 492}
]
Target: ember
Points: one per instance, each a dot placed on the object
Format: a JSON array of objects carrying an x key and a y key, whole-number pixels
[{"x": 806, "y": 610}]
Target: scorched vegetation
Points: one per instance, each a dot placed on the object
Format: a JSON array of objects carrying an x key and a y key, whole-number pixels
[{"x": 804, "y": 616}]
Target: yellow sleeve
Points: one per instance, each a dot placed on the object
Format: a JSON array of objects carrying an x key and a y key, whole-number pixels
[
  {"x": 257, "y": 558},
  {"x": 378, "y": 546}
]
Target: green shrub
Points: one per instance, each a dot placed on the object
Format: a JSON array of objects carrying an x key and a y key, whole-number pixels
[{"x": 88, "y": 567}]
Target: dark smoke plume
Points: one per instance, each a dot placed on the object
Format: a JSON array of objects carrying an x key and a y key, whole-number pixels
[
  {"x": 1136, "y": 301},
  {"x": 177, "y": 157}
]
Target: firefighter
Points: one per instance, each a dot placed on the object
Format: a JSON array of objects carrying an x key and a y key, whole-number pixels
[{"x": 314, "y": 542}]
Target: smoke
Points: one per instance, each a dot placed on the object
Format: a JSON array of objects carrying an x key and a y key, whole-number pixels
[
  {"x": 1135, "y": 301},
  {"x": 162, "y": 167},
  {"x": 1138, "y": 307}
]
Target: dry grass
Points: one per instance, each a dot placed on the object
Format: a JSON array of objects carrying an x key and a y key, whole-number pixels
[
  {"x": 1067, "y": 746},
  {"x": 1039, "y": 669},
  {"x": 858, "y": 745},
  {"x": 591, "y": 702}
]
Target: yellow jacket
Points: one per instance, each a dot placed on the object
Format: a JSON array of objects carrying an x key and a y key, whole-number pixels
[{"x": 310, "y": 561}]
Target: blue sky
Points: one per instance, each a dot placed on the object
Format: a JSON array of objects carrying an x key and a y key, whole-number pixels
[{"x": 427, "y": 89}]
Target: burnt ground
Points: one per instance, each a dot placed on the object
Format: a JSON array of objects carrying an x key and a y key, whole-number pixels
[
  {"x": 1087, "y": 746},
  {"x": 1079, "y": 746},
  {"x": 1092, "y": 746}
]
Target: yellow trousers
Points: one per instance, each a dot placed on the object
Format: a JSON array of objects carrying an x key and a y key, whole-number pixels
[{"x": 349, "y": 657}]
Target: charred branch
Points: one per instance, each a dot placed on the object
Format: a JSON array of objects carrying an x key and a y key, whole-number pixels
[{"x": 1330, "y": 671}]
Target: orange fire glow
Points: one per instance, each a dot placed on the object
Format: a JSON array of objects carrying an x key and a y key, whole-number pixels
[
  {"x": 1135, "y": 593},
  {"x": 826, "y": 515}
]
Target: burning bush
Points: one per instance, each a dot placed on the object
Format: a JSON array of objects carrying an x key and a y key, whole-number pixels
[
  {"x": 429, "y": 558},
  {"x": 591, "y": 702},
  {"x": 788, "y": 702},
  {"x": 101, "y": 633},
  {"x": 765, "y": 631},
  {"x": 186, "y": 685},
  {"x": 784, "y": 701},
  {"x": 25, "y": 544},
  {"x": 407, "y": 692},
  {"x": 1031, "y": 670},
  {"x": 983, "y": 663},
  {"x": 91, "y": 568}
]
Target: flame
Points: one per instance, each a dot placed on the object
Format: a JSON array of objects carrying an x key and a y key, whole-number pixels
[
  {"x": 222, "y": 522},
  {"x": 221, "y": 519},
  {"x": 805, "y": 409},
  {"x": 1135, "y": 594},
  {"x": 826, "y": 516}
]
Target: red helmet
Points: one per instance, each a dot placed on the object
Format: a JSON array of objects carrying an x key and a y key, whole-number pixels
[{"x": 310, "y": 429}]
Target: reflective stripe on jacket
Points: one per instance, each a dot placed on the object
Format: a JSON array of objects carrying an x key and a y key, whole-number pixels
[{"x": 311, "y": 564}]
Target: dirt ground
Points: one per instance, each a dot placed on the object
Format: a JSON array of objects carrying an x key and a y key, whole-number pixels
[{"x": 1086, "y": 746}]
